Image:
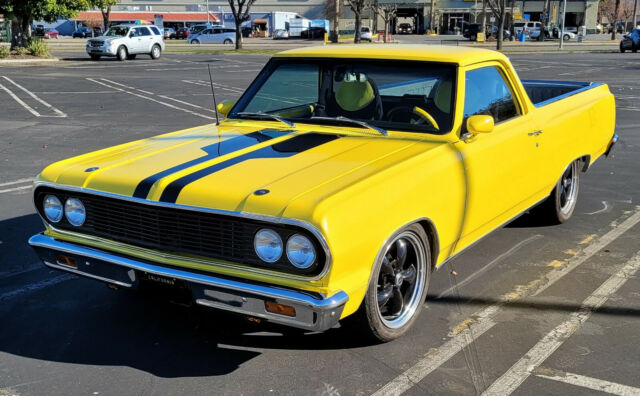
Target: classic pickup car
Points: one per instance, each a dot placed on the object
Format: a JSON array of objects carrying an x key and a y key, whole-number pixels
[{"x": 333, "y": 187}]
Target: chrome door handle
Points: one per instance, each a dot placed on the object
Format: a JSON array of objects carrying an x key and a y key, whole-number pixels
[{"x": 535, "y": 133}]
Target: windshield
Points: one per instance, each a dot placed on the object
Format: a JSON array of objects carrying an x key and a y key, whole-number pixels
[
  {"x": 391, "y": 95},
  {"x": 116, "y": 31}
]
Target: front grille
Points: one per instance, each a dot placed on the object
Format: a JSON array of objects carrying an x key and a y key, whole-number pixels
[
  {"x": 176, "y": 230},
  {"x": 95, "y": 43}
]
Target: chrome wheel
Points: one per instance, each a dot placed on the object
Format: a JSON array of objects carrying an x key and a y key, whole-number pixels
[
  {"x": 401, "y": 280},
  {"x": 568, "y": 188}
]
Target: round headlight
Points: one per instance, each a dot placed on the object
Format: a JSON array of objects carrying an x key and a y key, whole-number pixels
[
  {"x": 300, "y": 251},
  {"x": 52, "y": 208},
  {"x": 74, "y": 211},
  {"x": 268, "y": 245}
]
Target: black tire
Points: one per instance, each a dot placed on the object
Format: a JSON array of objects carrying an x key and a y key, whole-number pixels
[
  {"x": 122, "y": 53},
  {"x": 559, "y": 206},
  {"x": 566, "y": 37},
  {"x": 95, "y": 57},
  {"x": 131, "y": 56},
  {"x": 370, "y": 320},
  {"x": 155, "y": 52},
  {"x": 197, "y": 42},
  {"x": 621, "y": 48},
  {"x": 634, "y": 49},
  {"x": 227, "y": 41}
]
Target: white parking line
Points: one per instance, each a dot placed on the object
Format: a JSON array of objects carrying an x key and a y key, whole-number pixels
[
  {"x": 26, "y": 180},
  {"x": 484, "y": 319},
  {"x": 520, "y": 371},
  {"x": 186, "y": 103},
  {"x": 587, "y": 382},
  {"x": 55, "y": 110},
  {"x": 17, "y": 99},
  {"x": 15, "y": 189},
  {"x": 127, "y": 86},
  {"x": 151, "y": 99},
  {"x": 37, "y": 286}
]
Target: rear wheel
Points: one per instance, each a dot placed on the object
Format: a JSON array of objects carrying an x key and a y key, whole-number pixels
[
  {"x": 559, "y": 206},
  {"x": 155, "y": 52},
  {"x": 228, "y": 41},
  {"x": 398, "y": 286}
]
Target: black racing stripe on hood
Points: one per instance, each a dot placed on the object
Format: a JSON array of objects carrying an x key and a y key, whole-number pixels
[
  {"x": 284, "y": 149},
  {"x": 213, "y": 151}
]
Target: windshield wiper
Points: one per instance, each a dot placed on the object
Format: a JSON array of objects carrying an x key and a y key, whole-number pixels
[
  {"x": 261, "y": 115},
  {"x": 352, "y": 121}
]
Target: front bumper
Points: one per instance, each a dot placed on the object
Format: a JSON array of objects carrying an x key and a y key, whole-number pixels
[
  {"x": 612, "y": 142},
  {"x": 311, "y": 312},
  {"x": 102, "y": 51}
]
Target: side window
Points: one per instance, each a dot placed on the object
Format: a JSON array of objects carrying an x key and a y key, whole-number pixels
[
  {"x": 137, "y": 32},
  {"x": 145, "y": 32},
  {"x": 486, "y": 92},
  {"x": 217, "y": 31},
  {"x": 155, "y": 30},
  {"x": 207, "y": 31}
]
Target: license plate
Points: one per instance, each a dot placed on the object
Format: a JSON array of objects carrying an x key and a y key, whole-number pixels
[{"x": 161, "y": 279}]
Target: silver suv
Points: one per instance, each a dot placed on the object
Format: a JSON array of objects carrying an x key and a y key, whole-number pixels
[{"x": 127, "y": 41}]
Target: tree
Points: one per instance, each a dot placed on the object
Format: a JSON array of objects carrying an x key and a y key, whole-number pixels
[
  {"x": 628, "y": 9},
  {"x": 611, "y": 9},
  {"x": 240, "y": 10},
  {"x": 22, "y": 13},
  {"x": 332, "y": 12},
  {"x": 105, "y": 8},
  {"x": 431, "y": 16},
  {"x": 387, "y": 13},
  {"x": 499, "y": 10},
  {"x": 358, "y": 6}
]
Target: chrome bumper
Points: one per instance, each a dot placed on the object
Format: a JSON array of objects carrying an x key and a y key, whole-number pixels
[
  {"x": 311, "y": 313},
  {"x": 613, "y": 141}
]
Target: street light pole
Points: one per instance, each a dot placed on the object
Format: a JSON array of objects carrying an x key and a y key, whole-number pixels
[
  {"x": 207, "y": 12},
  {"x": 564, "y": 10}
]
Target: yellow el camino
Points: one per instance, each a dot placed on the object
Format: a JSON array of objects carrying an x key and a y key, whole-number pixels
[{"x": 337, "y": 183}]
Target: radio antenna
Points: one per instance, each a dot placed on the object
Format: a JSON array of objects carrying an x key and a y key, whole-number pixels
[{"x": 215, "y": 105}]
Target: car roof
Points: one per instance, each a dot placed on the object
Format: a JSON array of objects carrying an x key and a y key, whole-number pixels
[
  {"x": 420, "y": 52},
  {"x": 132, "y": 25}
]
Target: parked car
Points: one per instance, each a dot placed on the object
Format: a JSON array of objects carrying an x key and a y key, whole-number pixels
[
  {"x": 169, "y": 33},
  {"x": 38, "y": 30},
  {"x": 471, "y": 30},
  {"x": 630, "y": 41},
  {"x": 566, "y": 35},
  {"x": 216, "y": 35},
  {"x": 82, "y": 32},
  {"x": 280, "y": 34},
  {"x": 182, "y": 33},
  {"x": 127, "y": 41},
  {"x": 405, "y": 28},
  {"x": 360, "y": 173},
  {"x": 199, "y": 28},
  {"x": 50, "y": 33},
  {"x": 619, "y": 27},
  {"x": 365, "y": 34}
]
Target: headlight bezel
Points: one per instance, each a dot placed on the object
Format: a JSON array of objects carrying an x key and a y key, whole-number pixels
[
  {"x": 67, "y": 210},
  {"x": 300, "y": 239},
  {"x": 60, "y": 215}
]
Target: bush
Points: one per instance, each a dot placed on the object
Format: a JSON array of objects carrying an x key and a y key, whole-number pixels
[
  {"x": 20, "y": 51},
  {"x": 37, "y": 47},
  {"x": 4, "y": 51}
]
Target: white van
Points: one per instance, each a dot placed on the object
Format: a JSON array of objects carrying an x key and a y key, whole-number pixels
[{"x": 532, "y": 29}]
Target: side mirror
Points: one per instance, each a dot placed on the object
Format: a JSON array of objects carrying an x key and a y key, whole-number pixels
[
  {"x": 131, "y": 35},
  {"x": 225, "y": 107},
  {"x": 479, "y": 124}
]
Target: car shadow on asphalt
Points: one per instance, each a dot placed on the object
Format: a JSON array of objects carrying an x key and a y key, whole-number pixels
[{"x": 15, "y": 252}]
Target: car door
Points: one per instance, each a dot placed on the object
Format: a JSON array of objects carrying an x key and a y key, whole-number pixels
[
  {"x": 500, "y": 166},
  {"x": 206, "y": 36},
  {"x": 146, "y": 39}
]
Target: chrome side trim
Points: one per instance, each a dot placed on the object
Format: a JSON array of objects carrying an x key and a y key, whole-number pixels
[
  {"x": 252, "y": 216},
  {"x": 323, "y": 312}
]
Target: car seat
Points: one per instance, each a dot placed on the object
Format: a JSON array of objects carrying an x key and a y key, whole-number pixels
[{"x": 355, "y": 97}]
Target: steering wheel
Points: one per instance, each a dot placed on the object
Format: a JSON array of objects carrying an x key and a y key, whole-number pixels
[{"x": 412, "y": 114}]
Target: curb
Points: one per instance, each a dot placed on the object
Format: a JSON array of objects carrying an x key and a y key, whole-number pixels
[{"x": 26, "y": 61}]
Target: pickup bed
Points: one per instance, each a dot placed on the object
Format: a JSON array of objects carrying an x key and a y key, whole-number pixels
[{"x": 333, "y": 187}]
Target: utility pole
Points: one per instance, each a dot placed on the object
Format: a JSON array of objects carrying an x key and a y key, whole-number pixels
[
  {"x": 431, "y": 17},
  {"x": 336, "y": 21},
  {"x": 207, "y": 12},
  {"x": 564, "y": 10}
]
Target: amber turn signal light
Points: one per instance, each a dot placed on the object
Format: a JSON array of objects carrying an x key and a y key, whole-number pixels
[
  {"x": 280, "y": 309},
  {"x": 66, "y": 260}
]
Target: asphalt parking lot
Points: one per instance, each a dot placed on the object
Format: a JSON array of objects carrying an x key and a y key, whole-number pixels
[{"x": 529, "y": 310}]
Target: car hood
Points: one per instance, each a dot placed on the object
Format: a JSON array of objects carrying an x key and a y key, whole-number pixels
[{"x": 240, "y": 167}]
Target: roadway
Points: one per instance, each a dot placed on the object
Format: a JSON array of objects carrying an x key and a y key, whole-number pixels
[{"x": 531, "y": 309}]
